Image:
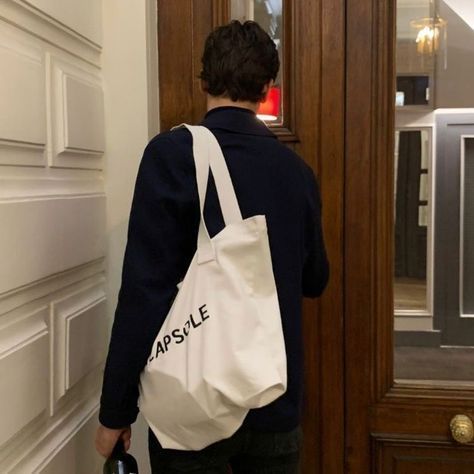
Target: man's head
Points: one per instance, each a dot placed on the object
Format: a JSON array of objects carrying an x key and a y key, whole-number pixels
[{"x": 239, "y": 61}]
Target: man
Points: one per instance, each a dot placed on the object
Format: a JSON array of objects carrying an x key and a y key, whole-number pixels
[{"x": 240, "y": 63}]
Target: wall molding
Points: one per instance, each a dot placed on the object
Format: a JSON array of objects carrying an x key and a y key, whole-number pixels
[
  {"x": 30, "y": 20},
  {"x": 46, "y": 185},
  {"x": 91, "y": 271},
  {"x": 152, "y": 68},
  {"x": 54, "y": 21},
  {"x": 64, "y": 310},
  {"x": 22, "y": 153},
  {"x": 51, "y": 235},
  {"x": 33, "y": 450},
  {"x": 53, "y": 239},
  {"x": 70, "y": 88},
  {"x": 23, "y": 131},
  {"x": 24, "y": 350}
]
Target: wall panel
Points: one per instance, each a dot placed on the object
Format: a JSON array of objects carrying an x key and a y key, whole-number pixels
[
  {"x": 86, "y": 334},
  {"x": 84, "y": 115},
  {"x": 84, "y": 17},
  {"x": 77, "y": 116},
  {"x": 22, "y": 103},
  {"x": 46, "y": 236},
  {"x": 80, "y": 335},
  {"x": 52, "y": 215},
  {"x": 24, "y": 365},
  {"x": 76, "y": 453}
]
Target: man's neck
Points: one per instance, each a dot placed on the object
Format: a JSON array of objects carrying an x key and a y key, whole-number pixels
[{"x": 214, "y": 102}]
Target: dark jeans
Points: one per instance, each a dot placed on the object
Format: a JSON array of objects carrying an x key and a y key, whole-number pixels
[{"x": 246, "y": 452}]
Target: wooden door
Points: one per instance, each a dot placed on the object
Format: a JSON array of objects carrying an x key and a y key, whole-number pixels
[
  {"x": 339, "y": 115},
  {"x": 391, "y": 427},
  {"x": 313, "y": 125}
]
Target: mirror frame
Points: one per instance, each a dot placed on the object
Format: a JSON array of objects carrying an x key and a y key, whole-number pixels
[{"x": 428, "y": 313}]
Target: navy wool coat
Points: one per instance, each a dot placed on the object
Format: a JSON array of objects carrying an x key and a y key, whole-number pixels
[{"x": 269, "y": 179}]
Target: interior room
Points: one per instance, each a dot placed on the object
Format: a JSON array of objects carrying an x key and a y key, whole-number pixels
[
  {"x": 377, "y": 99},
  {"x": 434, "y": 205}
]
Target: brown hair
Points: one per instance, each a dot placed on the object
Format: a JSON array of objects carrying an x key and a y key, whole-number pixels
[{"x": 238, "y": 60}]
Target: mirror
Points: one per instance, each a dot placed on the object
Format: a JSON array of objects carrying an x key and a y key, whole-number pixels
[
  {"x": 434, "y": 194},
  {"x": 412, "y": 220}
]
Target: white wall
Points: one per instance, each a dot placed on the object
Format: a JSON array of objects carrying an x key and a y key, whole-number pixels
[
  {"x": 73, "y": 103},
  {"x": 129, "y": 69},
  {"x": 52, "y": 239}
]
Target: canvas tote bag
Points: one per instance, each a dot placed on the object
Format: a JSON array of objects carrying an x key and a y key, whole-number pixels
[{"x": 220, "y": 350}]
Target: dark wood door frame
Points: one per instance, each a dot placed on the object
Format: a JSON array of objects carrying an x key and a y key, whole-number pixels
[
  {"x": 385, "y": 421},
  {"x": 368, "y": 241}
]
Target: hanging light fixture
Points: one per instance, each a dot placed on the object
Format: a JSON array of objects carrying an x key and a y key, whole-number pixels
[{"x": 431, "y": 33}]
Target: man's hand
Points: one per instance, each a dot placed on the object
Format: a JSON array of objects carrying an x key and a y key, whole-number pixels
[{"x": 106, "y": 438}]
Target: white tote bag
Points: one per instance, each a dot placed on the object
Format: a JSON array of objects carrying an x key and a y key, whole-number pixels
[{"x": 220, "y": 350}]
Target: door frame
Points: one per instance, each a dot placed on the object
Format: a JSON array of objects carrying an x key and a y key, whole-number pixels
[
  {"x": 368, "y": 207},
  {"x": 382, "y": 416}
]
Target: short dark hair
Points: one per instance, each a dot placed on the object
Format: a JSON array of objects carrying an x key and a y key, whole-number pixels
[{"x": 238, "y": 60}]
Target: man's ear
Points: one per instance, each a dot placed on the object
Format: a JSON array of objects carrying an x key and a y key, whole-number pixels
[
  {"x": 203, "y": 86},
  {"x": 266, "y": 89}
]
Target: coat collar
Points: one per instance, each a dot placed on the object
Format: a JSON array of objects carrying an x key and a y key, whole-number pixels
[{"x": 236, "y": 120}]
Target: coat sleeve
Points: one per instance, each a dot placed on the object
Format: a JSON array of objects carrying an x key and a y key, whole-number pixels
[
  {"x": 316, "y": 266},
  {"x": 161, "y": 242}
]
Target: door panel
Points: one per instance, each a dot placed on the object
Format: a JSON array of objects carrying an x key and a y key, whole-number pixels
[
  {"x": 414, "y": 457},
  {"x": 313, "y": 125},
  {"x": 391, "y": 426}
]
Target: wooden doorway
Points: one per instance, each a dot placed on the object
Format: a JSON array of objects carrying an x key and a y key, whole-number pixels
[
  {"x": 313, "y": 125},
  {"x": 339, "y": 89},
  {"x": 392, "y": 426}
]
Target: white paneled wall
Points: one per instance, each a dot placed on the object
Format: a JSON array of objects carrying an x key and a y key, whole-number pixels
[{"x": 53, "y": 321}]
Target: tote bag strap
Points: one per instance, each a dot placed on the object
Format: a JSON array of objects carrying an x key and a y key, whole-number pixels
[
  {"x": 225, "y": 189},
  {"x": 205, "y": 248},
  {"x": 208, "y": 154}
]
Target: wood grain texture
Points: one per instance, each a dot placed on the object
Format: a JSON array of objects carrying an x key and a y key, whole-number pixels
[
  {"x": 307, "y": 52},
  {"x": 368, "y": 219},
  {"x": 175, "y": 62},
  {"x": 412, "y": 456},
  {"x": 358, "y": 245},
  {"x": 324, "y": 111}
]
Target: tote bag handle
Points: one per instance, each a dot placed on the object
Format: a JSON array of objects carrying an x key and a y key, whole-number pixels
[{"x": 208, "y": 155}]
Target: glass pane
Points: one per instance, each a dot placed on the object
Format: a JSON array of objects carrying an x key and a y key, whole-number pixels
[
  {"x": 434, "y": 193},
  {"x": 269, "y": 15}
]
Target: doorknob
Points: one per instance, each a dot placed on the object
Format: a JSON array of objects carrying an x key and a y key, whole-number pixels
[{"x": 462, "y": 429}]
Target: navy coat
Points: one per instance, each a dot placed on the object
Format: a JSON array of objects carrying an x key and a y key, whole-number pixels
[{"x": 269, "y": 179}]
